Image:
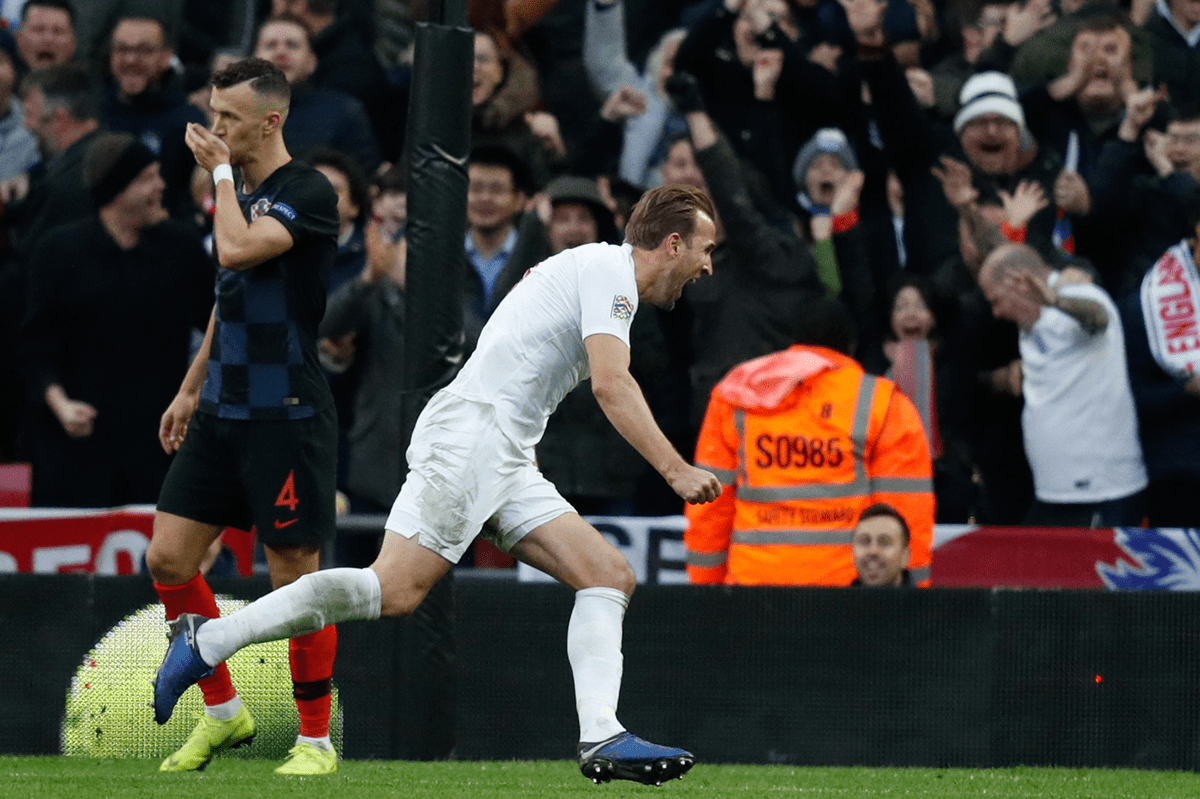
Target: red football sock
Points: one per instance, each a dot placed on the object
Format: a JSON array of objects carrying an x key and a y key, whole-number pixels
[
  {"x": 195, "y": 596},
  {"x": 311, "y": 657}
]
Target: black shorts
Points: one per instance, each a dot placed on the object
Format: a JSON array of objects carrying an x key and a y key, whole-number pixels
[{"x": 277, "y": 476}]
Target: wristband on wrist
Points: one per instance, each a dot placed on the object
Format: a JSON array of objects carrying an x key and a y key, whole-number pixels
[
  {"x": 222, "y": 172},
  {"x": 1014, "y": 234},
  {"x": 846, "y": 221}
]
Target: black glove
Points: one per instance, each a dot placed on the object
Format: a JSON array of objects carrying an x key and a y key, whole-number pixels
[{"x": 684, "y": 93}]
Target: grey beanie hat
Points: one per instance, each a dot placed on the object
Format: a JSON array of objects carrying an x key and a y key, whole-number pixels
[{"x": 825, "y": 140}]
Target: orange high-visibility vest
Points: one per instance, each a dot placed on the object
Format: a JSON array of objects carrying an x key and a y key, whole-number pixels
[{"x": 802, "y": 442}]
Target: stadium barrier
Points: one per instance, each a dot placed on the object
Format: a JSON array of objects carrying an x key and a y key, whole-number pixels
[
  {"x": 943, "y": 677},
  {"x": 112, "y": 541}
]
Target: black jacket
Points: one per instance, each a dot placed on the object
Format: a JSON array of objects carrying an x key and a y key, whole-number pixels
[{"x": 763, "y": 279}]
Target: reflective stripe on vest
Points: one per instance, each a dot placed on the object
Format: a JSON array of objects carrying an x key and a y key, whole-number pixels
[
  {"x": 903, "y": 485},
  {"x": 727, "y": 477},
  {"x": 707, "y": 560},
  {"x": 739, "y": 423},
  {"x": 798, "y": 537},
  {"x": 862, "y": 423},
  {"x": 891, "y": 485},
  {"x": 710, "y": 560}
]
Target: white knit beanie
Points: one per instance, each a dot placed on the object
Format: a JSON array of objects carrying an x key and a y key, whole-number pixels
[{"x": 989, "y": 93}]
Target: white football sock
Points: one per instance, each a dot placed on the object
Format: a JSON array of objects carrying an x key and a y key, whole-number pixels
[
  {"x": 594, "y": 649},
  {"x": 323, "y": 743},
  {"x": 305, "y": 606},
  {"x": 226, "y": 710}
]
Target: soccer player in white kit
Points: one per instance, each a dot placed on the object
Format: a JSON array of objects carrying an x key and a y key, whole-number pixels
[{"x": 471, "y": 461}]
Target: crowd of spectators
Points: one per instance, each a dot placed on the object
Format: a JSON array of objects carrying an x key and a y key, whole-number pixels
[{"x": 878, "y": 152}]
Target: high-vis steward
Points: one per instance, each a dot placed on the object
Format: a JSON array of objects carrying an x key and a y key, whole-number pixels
[{"x": 803, "y": 441}]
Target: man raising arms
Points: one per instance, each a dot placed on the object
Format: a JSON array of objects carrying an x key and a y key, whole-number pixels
[
  {"x": 471, "y": 462},
  {"x": 254, "y": 423}
]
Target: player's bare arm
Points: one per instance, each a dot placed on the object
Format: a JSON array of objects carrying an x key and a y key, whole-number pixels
[
  {"x": 172, "y": 428},
  {"x": 240, "y": 244},
  {"x": 622, "y": 402}
]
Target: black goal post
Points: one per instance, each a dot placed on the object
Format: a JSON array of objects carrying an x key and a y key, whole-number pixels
[{"x": 437, "y": 145}]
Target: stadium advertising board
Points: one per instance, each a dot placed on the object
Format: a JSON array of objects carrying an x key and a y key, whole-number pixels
[
  {"x": 966, "y": 555},
  {"x": 104, "y": 541},
  {"x": 111, "y": 542}
]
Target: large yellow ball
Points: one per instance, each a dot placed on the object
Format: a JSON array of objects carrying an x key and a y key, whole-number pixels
[{"x": 109, "y": 712}]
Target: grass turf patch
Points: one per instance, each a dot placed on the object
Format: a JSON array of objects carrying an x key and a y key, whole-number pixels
[{"x": 76, "y": 777}]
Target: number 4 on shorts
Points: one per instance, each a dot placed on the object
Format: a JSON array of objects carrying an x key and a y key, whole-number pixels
[{"x": 287, "y": 495}]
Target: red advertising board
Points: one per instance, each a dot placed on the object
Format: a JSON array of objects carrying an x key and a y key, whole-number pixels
[
  {"x": 1062, "y": 557},
  {"x": 1118, "y": 558},
  {"x": 107, "y": 541}
]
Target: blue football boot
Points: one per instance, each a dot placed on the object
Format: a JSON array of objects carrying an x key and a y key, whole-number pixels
[
  {"x": 627, "y": 757},
  {"x": 181, "y": 666}
]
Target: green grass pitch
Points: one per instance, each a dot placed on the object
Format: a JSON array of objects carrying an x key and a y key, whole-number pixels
[{"x": 86, "y": 778}]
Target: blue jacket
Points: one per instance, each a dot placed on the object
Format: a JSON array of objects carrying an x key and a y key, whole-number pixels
[{"x": 18, "y": 147}]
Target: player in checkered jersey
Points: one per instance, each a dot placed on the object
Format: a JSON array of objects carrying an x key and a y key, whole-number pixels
[
  {"x": 253, "y": 425},
  {"x": 471, "y": 462}
]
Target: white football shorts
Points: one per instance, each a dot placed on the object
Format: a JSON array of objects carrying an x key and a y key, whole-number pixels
[{"x": 465, "y": 473}]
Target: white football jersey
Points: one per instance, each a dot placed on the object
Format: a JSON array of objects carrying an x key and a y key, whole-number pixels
[
  {"x": 1079, "y": 421},
  {"x": 531, "y": 352}
]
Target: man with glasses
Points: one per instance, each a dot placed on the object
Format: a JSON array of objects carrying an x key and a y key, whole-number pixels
[{"x": 144, "y": 98}]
